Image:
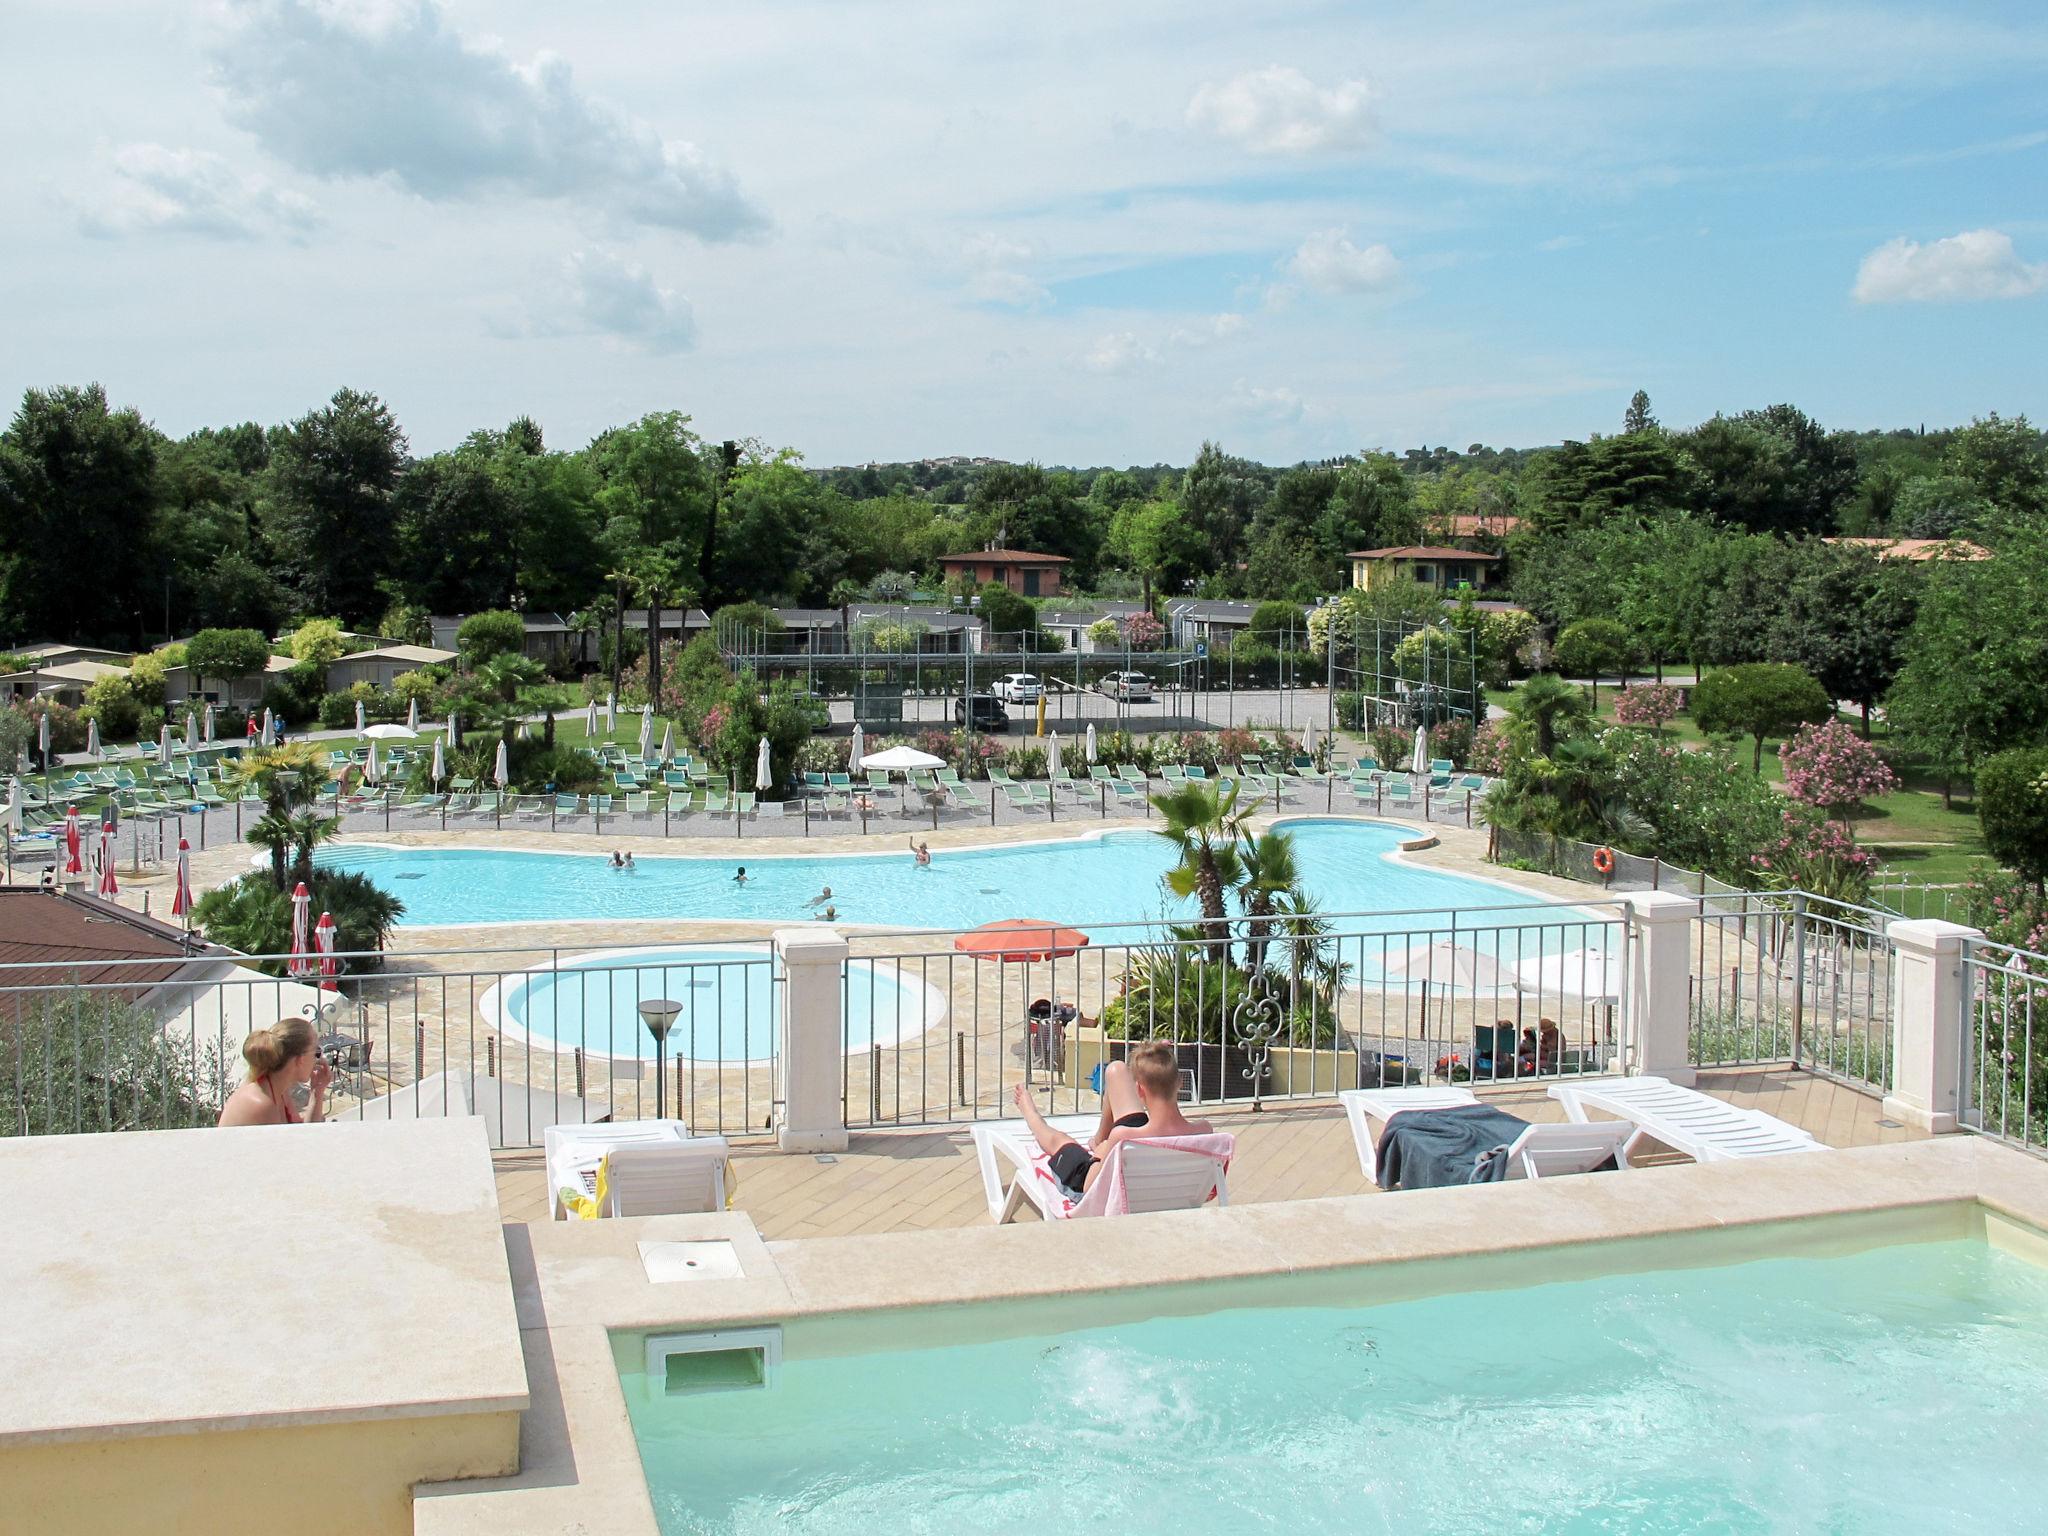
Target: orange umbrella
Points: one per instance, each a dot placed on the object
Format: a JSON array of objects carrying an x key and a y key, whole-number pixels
[{"x": 1015, "y": 940}]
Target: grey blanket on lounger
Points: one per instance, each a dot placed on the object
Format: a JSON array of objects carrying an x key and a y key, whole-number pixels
[{"x": 1429, "y": 1148}]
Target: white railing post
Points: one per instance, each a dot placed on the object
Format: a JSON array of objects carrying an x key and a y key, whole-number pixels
[
  {"x": 812, "y": 1065},
  {"x": 1657, "y": 986},
  {"x": 1927, "y": 1022}
]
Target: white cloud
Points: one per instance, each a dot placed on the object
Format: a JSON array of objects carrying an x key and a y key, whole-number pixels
[
  {"x": 1118, "y": 352},
  {"x": 396, "y": 92},
  {"x": 1280, "y": 111},
  {"x": 1274, "y": 403},
  {"x": 598, "y": 293},
  {"x": 1216, "y": 328},
  {"x": 191, "y": 192},
  {"x": 1977, "y": 264},
  {"x": 1329, "y": 263},
  {"x": 993, "y": 275},
  {"x": 1560, "y": 243}
]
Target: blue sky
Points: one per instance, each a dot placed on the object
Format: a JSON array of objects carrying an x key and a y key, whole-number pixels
[{"x": 1083, "y": 233}]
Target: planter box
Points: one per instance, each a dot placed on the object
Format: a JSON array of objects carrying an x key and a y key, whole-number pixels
[{"x": 1218, "y": 1071}]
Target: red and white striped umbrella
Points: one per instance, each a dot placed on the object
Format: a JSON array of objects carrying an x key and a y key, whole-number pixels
[
  {"x": 181, "y": 899},
  {"x": 73, "y": 865},
  {"x": 323, "y": 940},
  {"x": 301, "y": 962},
  {"x": 109, "y": 886}
]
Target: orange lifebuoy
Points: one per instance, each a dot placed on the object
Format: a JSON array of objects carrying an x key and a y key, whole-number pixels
[{"x": 1603, "y": 861}]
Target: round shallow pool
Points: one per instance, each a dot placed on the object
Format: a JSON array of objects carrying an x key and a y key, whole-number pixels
[{"x": 726, "y": 1001}]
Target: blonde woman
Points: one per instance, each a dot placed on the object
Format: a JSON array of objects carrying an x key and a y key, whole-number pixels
[{"x": 280, "y": 1057}]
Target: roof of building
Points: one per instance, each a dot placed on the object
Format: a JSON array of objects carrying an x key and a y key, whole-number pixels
[
  {"x": 936, "y": 618},
  {"x": 63, "y": 940},
  {"x": 694, "y": 618},
  {"x": 1213, "y": 610},
  {"x": 1069, "y": 615},
  {"x": 71, "y": 672},
  {"x": 1918, "y": 549},
  {"x": 1003, "y": 557},
  {"x": 420, "y": 655},
  {"x": 810, "y": 618},
  {"x": 1418, "y": 552},
  {"x": 51, "y": 648}
]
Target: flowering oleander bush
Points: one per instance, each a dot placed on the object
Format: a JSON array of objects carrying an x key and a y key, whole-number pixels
[
  {"x": 1141, "y": 631},
  {"x": 1651, "y": 704},
  {"x": 1452, "y": 739},
  {"x": 1833, "y": 769},
  {"x": 1488, "y": 753},
  {"x": 1818, "y": 856}
]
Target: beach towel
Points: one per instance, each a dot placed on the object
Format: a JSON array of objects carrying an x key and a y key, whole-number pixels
[{"x": 1107, "y": 1196}]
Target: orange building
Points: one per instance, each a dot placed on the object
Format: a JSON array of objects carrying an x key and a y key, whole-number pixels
[{"x": 1023, "y": 572}]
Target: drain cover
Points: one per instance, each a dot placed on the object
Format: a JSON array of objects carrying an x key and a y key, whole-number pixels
[{"x": 417, "y": 874}]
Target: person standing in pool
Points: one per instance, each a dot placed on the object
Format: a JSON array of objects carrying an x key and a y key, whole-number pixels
[
  {"x": 923, "y": 851},
  {"x": 741, "y": 877},
  {"x": 629, "y": 859}
]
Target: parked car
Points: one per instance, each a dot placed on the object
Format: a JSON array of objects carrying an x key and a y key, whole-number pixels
[
  {"x": 1129, "y": 686},
  {"x": 981, "y": 712},
  {"x": 1019, "y": 688}
]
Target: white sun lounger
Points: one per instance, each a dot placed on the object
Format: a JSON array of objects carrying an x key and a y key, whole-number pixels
[
  {"x": 1704, "y": 1128},
  {"x": 657, "y": 1167},
  {"x": 1155, "y": 1178},
  {"x": 1540, "y": 1151}
]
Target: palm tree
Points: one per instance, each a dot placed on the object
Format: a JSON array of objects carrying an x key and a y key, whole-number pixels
[
  {"x": 1549, "y": 709},
  {"x": 1203, "y": 823},
  {"x": 1270, "y": 872},
  {"x": 282, "y": 776}
]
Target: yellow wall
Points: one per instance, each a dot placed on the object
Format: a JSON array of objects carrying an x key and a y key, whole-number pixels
[{"x": 320, "y": 1480}]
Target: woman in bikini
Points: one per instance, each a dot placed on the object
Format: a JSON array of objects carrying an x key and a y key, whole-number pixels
[{"x": 280, "y": 1058}]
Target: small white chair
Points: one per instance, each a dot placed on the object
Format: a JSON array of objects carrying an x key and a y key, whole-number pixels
[{"x": 656, "y": 1167}]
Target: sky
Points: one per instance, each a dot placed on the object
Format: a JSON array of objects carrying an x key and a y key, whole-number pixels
[{"x": 1091, "y": 233}]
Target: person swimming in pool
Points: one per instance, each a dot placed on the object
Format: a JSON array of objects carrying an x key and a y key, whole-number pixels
[
  {"x": 629, "y": 860},
  {"x": 1140, "y": 1097},
  {"x": 741, "y": 877},
  {"x": 822, "y": 899},
  {"x": 617, "y": 861},
  {"x": 923, "y": 851},
  {"x": 830, "y": 914}
]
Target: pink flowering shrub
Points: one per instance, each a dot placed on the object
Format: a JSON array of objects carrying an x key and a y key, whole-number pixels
[
  {"x": 1488, "y": 753},
  {"x": 1233, "y": 745},
  {"x": 1833, "y": 769},
  {"x": 1451, "y": 739},
  {"x": 1651, "y": 704},
  {"x": 710, "y": 726},
  {"x": 1142, "y": 631},
  {"x": 1818, "y": 856}
]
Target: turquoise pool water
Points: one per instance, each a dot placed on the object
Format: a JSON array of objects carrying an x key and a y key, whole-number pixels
[
  {"x": 1895, "y": 1390},
  {"x": 728, "y": 1000},
  {"x": 1110, "y": 878}
]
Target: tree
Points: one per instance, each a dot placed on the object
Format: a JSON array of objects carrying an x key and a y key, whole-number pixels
[
  {"x": 1772, "y": 471},
  {"x": 1634, "y": 478},
  {"x": 1222, "y": 493},
  {"x": 1547, "y": 709},
  {"x": 1638, "y": 418},
  {"x": 457, "y": 534},
  {"x": 1830, "y": 768},
  {"x": 2006, "y": 460},
  {"x": 2012, "y": 805},
  {"x": 1007, "y": 614},
  {"x": 1158, "y": 541},
  {"x": 229, "y": 654},
  {"x": 329, "y": 511},
  {"x": 1023, "y": 506},
  {"x": 1938, "y": 507},
  {"x": 1202, "y": 821},
  {"x": 1759, "y": 699},
  {"x": 1593, "y": 646},
  {"x": 491, "y": 633},
  {"x": 78, "y": 494},
  {"x": 320, "y": 641},
  {"x": 1843, "y": 615},
  {"x": 1276, "y": 623}
]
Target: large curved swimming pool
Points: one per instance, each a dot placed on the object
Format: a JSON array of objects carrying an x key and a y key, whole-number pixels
[{"x": 1107, "y": 878}]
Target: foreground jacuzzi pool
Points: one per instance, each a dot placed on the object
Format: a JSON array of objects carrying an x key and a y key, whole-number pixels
[
  {"x": 1892, "y": 1389},
  {"x": 725, "y": 996}
]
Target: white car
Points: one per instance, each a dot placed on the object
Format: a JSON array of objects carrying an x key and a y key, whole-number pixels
[
  {"x": 1018, "y": 688},
  {"x": 1132, "y": 687}
]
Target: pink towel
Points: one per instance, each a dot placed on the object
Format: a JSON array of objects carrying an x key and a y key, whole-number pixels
[{"x": 1107, "y": 1195}]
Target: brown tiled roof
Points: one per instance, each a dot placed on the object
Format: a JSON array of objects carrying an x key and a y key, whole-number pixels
[
  {"x": 1003, "y": 557},
  {"x": 1918, "y": 549},
  {"x": 54, "y": 939},
  {"x": 1418, "y": 552}
]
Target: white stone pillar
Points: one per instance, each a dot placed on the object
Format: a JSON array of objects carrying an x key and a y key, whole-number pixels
[
  {"x": 813, "y": 1117},
  {"x": 1657, "y": 985},
  {"x": 1927, "y": 1022}
]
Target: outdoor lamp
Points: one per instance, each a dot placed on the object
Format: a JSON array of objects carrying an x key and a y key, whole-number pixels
[{"x": 659, "y": 1015}]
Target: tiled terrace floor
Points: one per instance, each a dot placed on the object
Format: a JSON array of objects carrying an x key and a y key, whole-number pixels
[{"x": 889, "y": 1181}]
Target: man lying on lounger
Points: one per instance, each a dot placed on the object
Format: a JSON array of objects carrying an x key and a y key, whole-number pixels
[{"x": 1140, "y": 1098}]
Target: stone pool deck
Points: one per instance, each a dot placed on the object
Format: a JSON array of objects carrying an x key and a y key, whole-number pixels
[{"x": 923, "y": 1180}]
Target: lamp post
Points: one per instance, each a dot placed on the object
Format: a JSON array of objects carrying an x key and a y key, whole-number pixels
[{"x": 659, "y": 1015}]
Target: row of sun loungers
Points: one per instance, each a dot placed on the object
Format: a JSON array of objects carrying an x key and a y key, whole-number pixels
[{"x": 655, "y": 1167}]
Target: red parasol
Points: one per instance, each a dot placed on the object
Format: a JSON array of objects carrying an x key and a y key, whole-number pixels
[{"x": 1016, "y": 940}]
